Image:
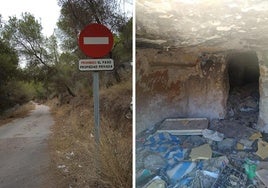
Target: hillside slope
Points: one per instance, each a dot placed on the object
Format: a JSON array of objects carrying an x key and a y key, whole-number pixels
[{"x": 75, "y": 156}]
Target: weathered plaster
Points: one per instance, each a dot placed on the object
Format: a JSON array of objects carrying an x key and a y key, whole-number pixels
[
  {"x": 172, "y": 37},
  {"x": 189, "y": 85},
  {"x": 263, "y": 87}
]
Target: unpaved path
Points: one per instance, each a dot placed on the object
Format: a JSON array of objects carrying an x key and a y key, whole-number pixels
[{"x": 24, "y": 157}]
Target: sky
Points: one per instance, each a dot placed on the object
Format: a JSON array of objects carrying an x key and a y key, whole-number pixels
[
  {"x": 46, "y": 11},
  {"x": 127, "y": 6}
]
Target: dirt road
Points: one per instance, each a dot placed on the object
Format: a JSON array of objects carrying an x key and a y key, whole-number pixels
[{"x": 24, "y": 157}]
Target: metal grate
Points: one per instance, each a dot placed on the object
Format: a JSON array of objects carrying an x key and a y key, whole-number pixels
[{"x": 230, "y": 178}]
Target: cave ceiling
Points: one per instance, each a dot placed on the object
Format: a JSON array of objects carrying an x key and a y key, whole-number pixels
[{"x": 225, "y": 24}]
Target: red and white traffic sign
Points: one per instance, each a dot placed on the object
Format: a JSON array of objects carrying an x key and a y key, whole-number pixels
[{"x": 96, "y": 40}]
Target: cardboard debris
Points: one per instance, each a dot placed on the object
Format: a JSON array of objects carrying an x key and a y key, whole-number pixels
[
  {"x": 263, "y": 176},
  {"x": 262, "y": 149},
  {"x": 201, "y": 152},
  {"x": 239, "y": 146},
  {"x": 244, "y": 144},
  {"x": 184, "y": 126},
  {"x": 255, "y": 136}
]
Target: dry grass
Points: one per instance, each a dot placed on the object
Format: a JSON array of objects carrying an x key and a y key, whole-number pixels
[
  {"x": 115, "y": 157},
  {"x": 17, "y": 112},
  {"x": 79, "y": 162}
]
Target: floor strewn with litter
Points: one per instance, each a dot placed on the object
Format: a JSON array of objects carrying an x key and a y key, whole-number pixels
[
  {"x": 228, "y": 153},
  {"x": 196, "y": 161}
]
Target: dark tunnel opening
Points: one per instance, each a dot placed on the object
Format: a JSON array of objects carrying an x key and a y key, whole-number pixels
[
  {"x": 243, "y": 69},
  {"x": 243, "y": 99}
]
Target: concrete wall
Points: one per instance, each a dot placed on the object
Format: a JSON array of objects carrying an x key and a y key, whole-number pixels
[
  {"x": 179, "y": 83},
  {"x": 263, "y": 88}
]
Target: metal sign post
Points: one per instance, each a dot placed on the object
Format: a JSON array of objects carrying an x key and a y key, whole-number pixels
[
  {"x": 96, "y": 102},
  {"x": 96, "y": 106},
  {"x": 96, "y": 41}
]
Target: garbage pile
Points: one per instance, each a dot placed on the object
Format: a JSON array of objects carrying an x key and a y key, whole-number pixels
[
  {"x": 243, "y": 105},
  {"x": 195, "y": 153},
  {"x": 210, "y": 159}
]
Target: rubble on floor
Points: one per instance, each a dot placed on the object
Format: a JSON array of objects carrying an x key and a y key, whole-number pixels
[
  {"x": 176, "y": 161},
  {"x": 196, "y": 153},
  {"x": 243, "y": 104}
]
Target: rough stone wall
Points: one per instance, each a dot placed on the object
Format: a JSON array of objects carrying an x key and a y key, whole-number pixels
[
  {"x": 263, "y": 88},
  {"x": 179, "y": 83}
]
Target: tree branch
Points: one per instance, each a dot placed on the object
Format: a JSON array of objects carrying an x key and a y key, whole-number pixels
[{"x": 93, "y": 8}]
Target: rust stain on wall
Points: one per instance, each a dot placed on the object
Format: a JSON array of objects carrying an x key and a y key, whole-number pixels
[
  {"x": 158, "y": 82},
  {"x": 179, "y": 85}
]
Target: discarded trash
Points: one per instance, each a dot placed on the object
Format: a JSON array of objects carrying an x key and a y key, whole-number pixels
[
  {"x": 180, "y": 170},
  {"x": 240, "y": 146},
  {"x": 247, "y": 143},
  {"x": 262, "y": 175},
  {"x": 61, "y": 166},
  {"x": 156, "y": 182},
  {"x": 244, "y": 144},
  {"x": 250, "y": 168},
  {"x": 143, "y": 176},
  {"x": 201, "y": 152},
  {"x": 230, "y": 177},
  {"x": 154, "y": 162},
  {"x": 211, "y": 174},
  {"x": 160, "y": 138},
  {"x": 64, "y": 168},
  {"x": 69, "y": 155},
  {"x": 255, "y": 136},
  {"x": 213, "y": 135},
  {"x": 200, "y": 161},
  {"x": 183, "y": 183},
  {"x": 144, "y": 173},
  {"x": 167, "y": 145},
  {"x": 262, "y": 149},
  {"x": 227, "y": 144},
  {"x": 193, "y": 141},
  {"x": 184, "y": 126},
  {"x": 217, "y": 162},
  {"x": 202, "y": 180},
  {"x": 210, "y": 171}
]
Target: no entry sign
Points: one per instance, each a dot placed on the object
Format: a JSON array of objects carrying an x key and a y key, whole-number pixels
[{"x": 96, "y": 40}]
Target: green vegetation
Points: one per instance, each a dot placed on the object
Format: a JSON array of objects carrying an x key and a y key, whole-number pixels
[
  {"x": 8, "y": 72},
  {"x": 51, "y": 62}
]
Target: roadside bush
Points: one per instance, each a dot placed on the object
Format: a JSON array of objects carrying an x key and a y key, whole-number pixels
[{"x": 19, "y": 92}]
